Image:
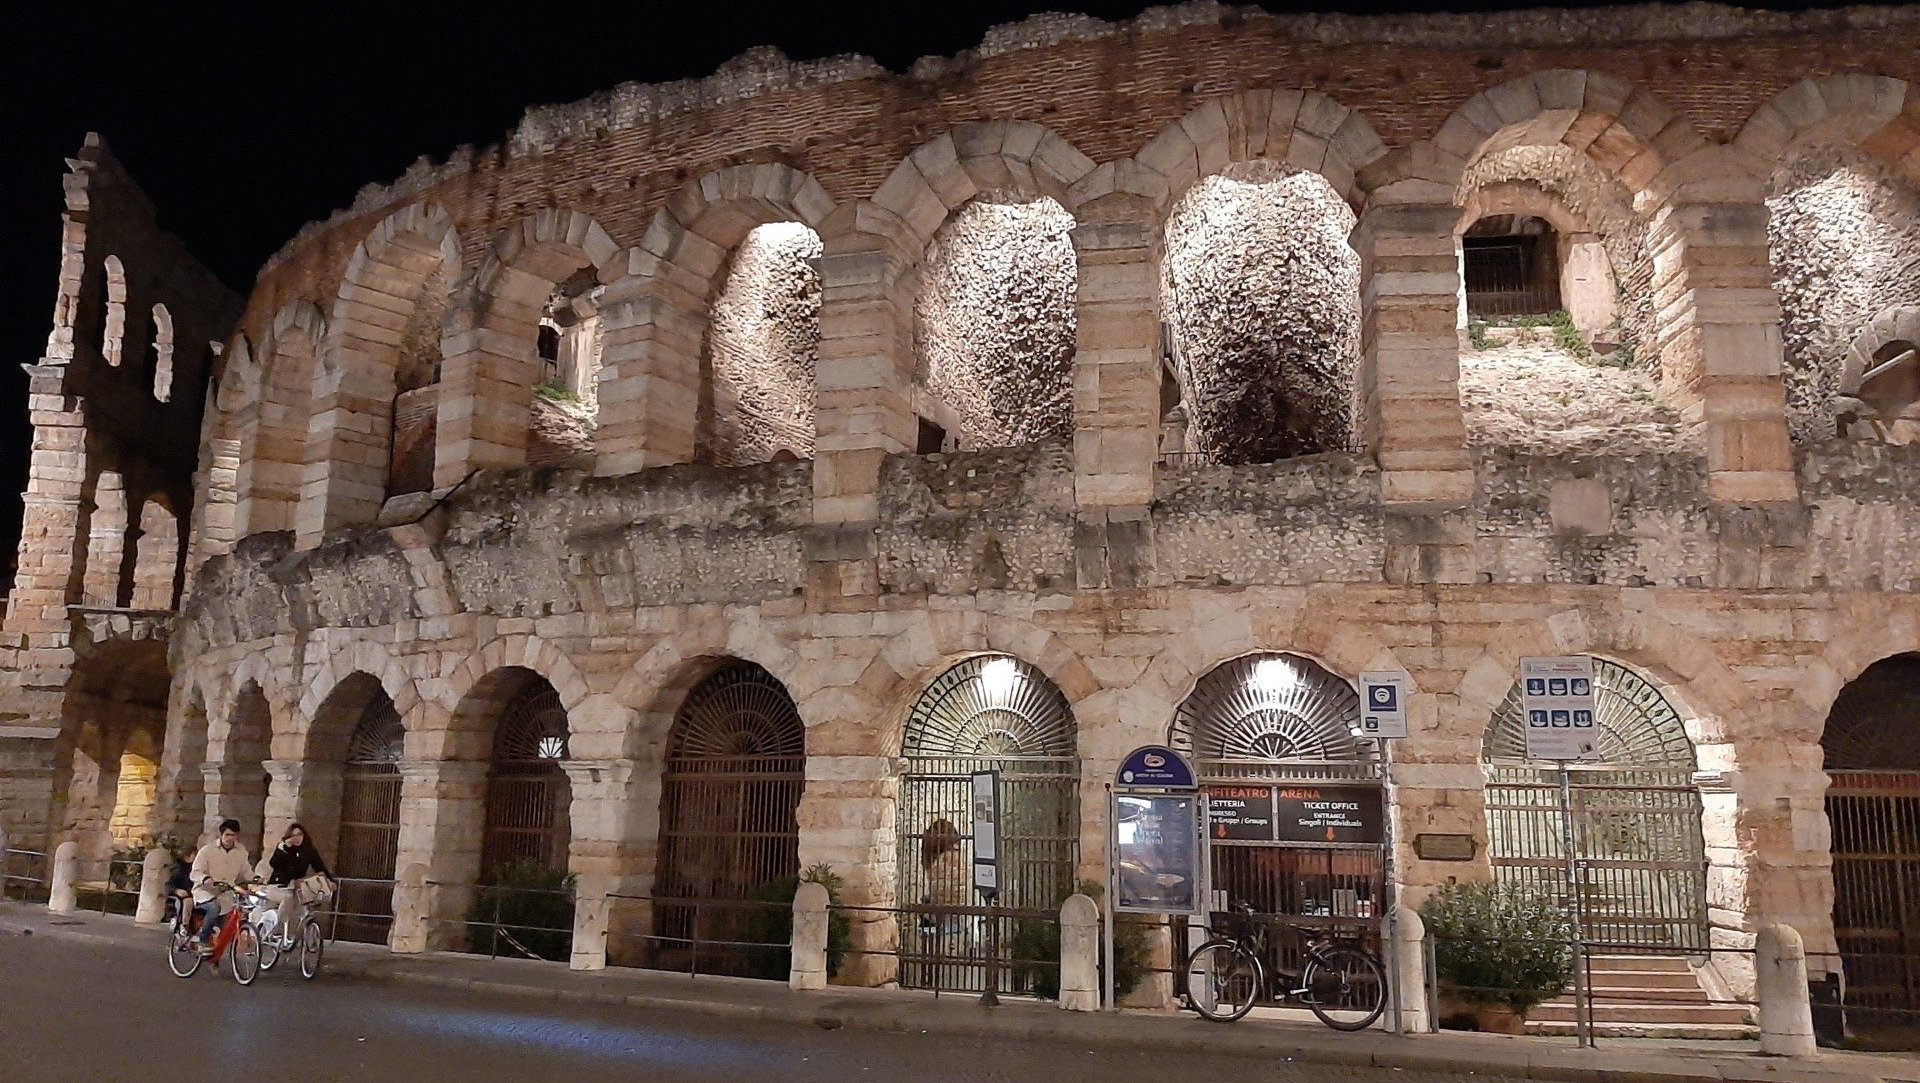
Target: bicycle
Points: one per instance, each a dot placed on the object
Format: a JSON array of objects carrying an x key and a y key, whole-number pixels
[
  {"x": 275, "y": 942},
  {"x": 236, "y": 932},
  {"x": 1344, "y": 985}
]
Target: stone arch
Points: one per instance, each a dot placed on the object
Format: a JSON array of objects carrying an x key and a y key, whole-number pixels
[
  {"x": 362, "y": 656},
  {"x": 486, "y": 398},
  {"x": 658, "y": 682},
  {"x": 271, "y": 420},
  {"x": 238, "y": 745},
  {"x": 952, "y": 169},
  {"x": 1896, "y": 324},
  {"x": 162, "y": 353},
  {"x": 475, "y": 689},
  {"x": 113, "y": 336},
  {"x": 350, "y": 431},
  {"x": 1876, "y": 114},
  {"x": 1301, "y": 130}
]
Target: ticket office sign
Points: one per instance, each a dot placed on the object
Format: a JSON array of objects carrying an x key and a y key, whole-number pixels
[{"x": 1306, "y": 813}]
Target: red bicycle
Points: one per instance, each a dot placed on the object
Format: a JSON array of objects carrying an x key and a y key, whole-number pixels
[{"x": 235, "y": 941}]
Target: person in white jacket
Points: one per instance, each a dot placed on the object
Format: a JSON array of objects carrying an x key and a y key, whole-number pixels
[{"x": 224, "y": 862}]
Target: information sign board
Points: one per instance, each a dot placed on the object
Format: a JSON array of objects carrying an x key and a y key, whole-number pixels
[
  {"x": 986, "y": 833},
  {"x": 1339, "y": 814},
  {"x": 1557, "y": 697},
  {"x": 1156, "y": 853},
  {"x": 1383, "y": 705},
  {"x": 1240, "y": 813},
  {"x": 1154, "y": 767}
]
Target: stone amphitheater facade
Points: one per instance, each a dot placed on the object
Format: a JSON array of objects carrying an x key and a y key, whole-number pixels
[{"x": 1747, "y": 575}]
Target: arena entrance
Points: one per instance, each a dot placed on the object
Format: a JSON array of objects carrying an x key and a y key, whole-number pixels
[
  {"x": 1636, "y": 819},
  {"x": 1872, "y": 746},
  {"x": 989, "y": 713},
  {"x": 528, "y": 798},
  {"x": 729, "y": 832},
  {"x": 1267, "y": 731},
  {"x": 369, "y": 823}
]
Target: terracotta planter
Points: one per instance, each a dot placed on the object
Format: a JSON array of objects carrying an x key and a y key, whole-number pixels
[{"x": 1487, "y": 1018}]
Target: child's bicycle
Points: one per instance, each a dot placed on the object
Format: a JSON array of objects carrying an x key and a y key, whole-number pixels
[
  {"x": 236, "y": 935},
  {"x": 1344, "y": 985}
]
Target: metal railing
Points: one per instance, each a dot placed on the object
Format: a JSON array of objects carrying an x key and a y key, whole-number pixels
[
  {"x": 24, "y": 886},
  {"x": 487, "y": 921},
  {"x": 359, "y": 923},
  {"x": 122, "y": 883},
  {"x": 1867, "y": 1000},
  {"x": 964, "y": 949},
  {"x": 750, "y": 938}
]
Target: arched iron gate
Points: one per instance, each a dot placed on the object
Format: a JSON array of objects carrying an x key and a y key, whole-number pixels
[
  {"x": 1872, "y": 746},
  {"x": 528, "y": 798},
  {"x": 369, "y": 823},
  {"x": 1636, "y": 818},
  {"x": 988, "y": 713},
  {"x": 735, "y": 771},
  {"x": 1267, "y": 724}
]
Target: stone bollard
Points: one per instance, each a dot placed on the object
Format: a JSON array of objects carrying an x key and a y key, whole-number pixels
[
  {"x": 1080, "y": 954},
  {"x": 591, "y": 909},
  {"x": 66, "y": 870},
  {"x": 808, "y": 969},
  {"x": 412, "y": 916},
  {"x": 1786, "y": 1004},
  {"x": 1410, "y": 971},
  {"x": 154, "y": 869}
]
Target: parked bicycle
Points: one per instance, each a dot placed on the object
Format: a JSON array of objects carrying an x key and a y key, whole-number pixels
[
  {"x": 236, "y": 935},
  {"x": 1343, "y": 984}
]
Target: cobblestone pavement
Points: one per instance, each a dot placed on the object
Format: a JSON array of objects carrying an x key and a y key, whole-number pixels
[{"x": 72, "y": 1010}]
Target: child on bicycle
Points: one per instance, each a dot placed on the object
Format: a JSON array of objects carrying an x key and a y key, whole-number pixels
[{"x": 180, "y": 882}]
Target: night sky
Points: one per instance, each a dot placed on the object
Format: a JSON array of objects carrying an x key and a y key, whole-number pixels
[{"x": 242, "y": 130}]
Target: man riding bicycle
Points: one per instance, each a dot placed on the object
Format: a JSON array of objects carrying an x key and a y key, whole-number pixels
[{"x": 217, "y": 870}]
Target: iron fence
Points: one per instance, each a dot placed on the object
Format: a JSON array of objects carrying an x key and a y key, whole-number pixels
[
  {"x": 119, "y": 893},
  {"x": 24, "y": 886},
  {"x": 1866, "y": 999},
  {"x": 360, "y": 911},
  {"x": 962, "y": 949},
  {"x": 747, "y": 938},
  {"x": 517, "y": 922}
]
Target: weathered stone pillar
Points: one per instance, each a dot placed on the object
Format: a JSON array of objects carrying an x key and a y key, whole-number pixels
[
  {"x": 846, "y": 823},
  {"x": 1080, "y": 955},
  {"x": 1409, "y": 963},
  {"x": 154, "y": 870},
  {"x": 105, "y": 555},
  {"x": 600, "y": 855},
  {"x": 236, "y": 790},
  {"x": 653, "y": 329},
  {"x": 1786, "y": 1003},
  {"x": 591, "y": 914},
  {"x": 66, "y": 873},
  {"x": 350, "y": 429},
  {"x": 486, "y": 379},
  {"x": 309, "y": 793},
  {"x": 1116, "y": 390},
  {"x": 1718, "y": 335},
  {"x": 807, "y": 947},
  {"x": 442, "y": 824},
  {"x": 1410, "y": 365}
]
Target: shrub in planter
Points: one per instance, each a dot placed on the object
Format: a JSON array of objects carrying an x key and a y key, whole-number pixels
[
  {"x": 533, "y": 906},
  {"x": 774, "y": 924},
  {"x": 1036, "y": 950},
  {"x": 1498, "y": 946}
]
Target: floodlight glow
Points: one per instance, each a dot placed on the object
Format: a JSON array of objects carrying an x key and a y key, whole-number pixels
[
  {"x": 998, "y": 676},
  {"x": 1275, "y": 676}
]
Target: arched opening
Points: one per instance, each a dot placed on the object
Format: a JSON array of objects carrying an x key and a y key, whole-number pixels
[
  {"x": 566, "y": 392},
  {"x": 1842, "y": 229},
  {"x": 1261, "y": 295},
  {"x": 763, "y": 341},
  {"x": 1887, "y": 395},
  {"x": 160, "y": 352},
  {"x": 273, "y": 423},
  {"x": 369, "y": 818},
  {"x": 157, "y": 557},
  {"x": 992, "y": 712},
  {"x": 528, "y": 796},
  {"x": 1872, "y": 746},
  {"x": 113, "y": 333},
  {"x": 735, "y": 770},
  {"x": 237, "y": 780},
  {"x": 1511, "y": 265},
  {"x": 994, "y": 325},
  {"x": 133, "y": 799},
  {"x": 1635, "y": 811},
  {"x": 1272, "y": 735},
  {"x": 416, "y": 388}
]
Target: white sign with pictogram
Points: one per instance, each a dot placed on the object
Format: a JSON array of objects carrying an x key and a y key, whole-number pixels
[
  {"x": 1556, "y": 695},
  {"x": 1383, "y": 705}
]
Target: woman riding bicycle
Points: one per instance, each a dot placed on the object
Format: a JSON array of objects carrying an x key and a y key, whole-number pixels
[{"x": 293, "y": 861}]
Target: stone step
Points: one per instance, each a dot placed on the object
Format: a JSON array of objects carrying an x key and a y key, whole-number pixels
[
  {"x": 1718, "y": 1032},
  {"x": 1727, "y": 1014},
  {"x": 1624, "y": 994},
  {"x": 1664, "y": 964},
  {"x": 1642, "y": 979}
]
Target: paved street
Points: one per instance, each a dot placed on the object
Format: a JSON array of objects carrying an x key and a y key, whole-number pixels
[{"x": 83, "y": 1011}]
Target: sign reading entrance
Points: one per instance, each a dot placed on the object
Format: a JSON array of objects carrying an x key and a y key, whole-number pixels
[
  {"x": 1306, "y": 812},
  {"x": 1557, "y": 697}
]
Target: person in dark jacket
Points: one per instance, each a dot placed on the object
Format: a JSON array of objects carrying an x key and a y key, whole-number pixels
[
  {"x": 295, "y": 859},
  {"x": 180, "y": 881}
]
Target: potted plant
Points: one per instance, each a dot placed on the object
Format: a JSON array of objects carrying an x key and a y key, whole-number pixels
[{"x": 1499, "y": 950}]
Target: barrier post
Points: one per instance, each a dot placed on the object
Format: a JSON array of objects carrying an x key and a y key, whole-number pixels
[
  {"x": 66, "y": 870},
  {"x": 1080, "y": 954},
  {"x": 807, "y": 967},
  {"x": 153, "y": 886},
  {"x": 1786, "y": 1003}
]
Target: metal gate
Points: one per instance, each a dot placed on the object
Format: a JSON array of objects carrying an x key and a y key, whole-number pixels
[
  {"x": 1641, "y": 863},
  {"x": 369, "y": 824},
  {"x": 992, "y": 713},
  {"x": 528, "y": 798},
  {"x": 736, "y": 768},
  {"x": 1875, "y": 820}
]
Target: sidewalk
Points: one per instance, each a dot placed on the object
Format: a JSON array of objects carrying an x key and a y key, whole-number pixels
[{"x": 1642, "y": 1061}]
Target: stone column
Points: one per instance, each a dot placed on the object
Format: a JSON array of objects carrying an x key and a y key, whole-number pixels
[
  {"x": 1719, "y": 340},
  {"x": 1786, "y": 1004},
  {"x": 309, "y": 793},
  {"x": 1080, "y": 936},
  {"x": 66, "y": 872},
  {"x": 1408, "y": 961},
  {"x": 105, "y": 556},
  {"x": 154, "y": 870},
  {"x": 239, "y": 791},
  {"x": 653, "y": 329},
  {"x": 846, "y": 819},
  {"x": 600, "y": 856},
  {"x": 1408, "y": 383},
  {"x": 442, "y": 824},
  {"x": 486, "y": 379},
  {"x": 350, "y": 423},
  {"x": 1116, "y": 390}
]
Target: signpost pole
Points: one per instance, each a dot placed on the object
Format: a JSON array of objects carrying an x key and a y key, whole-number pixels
[
  {"x": 1106, "y": 909},
  {"x": 1582, "y": 1010},
  {"x": 986, "y": 870},
  {"x": 1389, "y": 895}
]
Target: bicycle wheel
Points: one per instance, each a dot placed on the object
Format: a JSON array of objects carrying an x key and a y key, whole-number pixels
[
  {"x": 245, "y": 951},
  {"x": 312, "y": 947},
  {"x": 183, "y": 951},
  {"x": 1346, "y": 988},
  {"x": 1223, "y": 979},
  {"x": 269, "y": 947}
]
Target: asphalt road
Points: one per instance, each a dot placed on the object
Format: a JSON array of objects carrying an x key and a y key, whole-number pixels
[{"x": 85, "y": 1011}]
